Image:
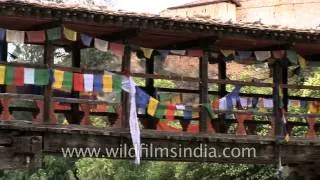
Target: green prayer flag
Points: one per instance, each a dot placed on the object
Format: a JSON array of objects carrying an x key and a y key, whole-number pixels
[
  {"x": 160, "y": 111},
  {"x": 54, "y": 34},
  {"x": 292, "y": 56},
  {"x": 41, "y": 77},
  {"x": 9, "y": 77},
  {"x": 209, "y": 109},
  {"x": 116, "y": 83},
  {"x": 111, "y": 109},
  {"x": 67, "y": 80}
]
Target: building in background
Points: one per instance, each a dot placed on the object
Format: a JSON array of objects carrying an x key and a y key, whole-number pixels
[{"x": 291, "y": 13}]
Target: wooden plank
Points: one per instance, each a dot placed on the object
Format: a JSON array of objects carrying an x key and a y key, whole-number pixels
[{"x": 203, "y": 91}]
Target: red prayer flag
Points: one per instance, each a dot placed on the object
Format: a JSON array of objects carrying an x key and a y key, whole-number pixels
[
  {"x": 117, "y": 48},
  {"x": 18, "y": 76},
  {"x": 195, "y": 52},
  {"x": 36, "y": 36},
  {"x": 278, "y": 54},
  {"x": 78, "y": 82},
  {"x": 171, "y": 110}
]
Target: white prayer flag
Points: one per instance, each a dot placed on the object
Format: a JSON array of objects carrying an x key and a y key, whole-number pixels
[
  {"x": 101, "y": 45},
  {"x": 268, "y": 103},
  {"x": 223, "y": 104},
  {"x": 15, "y": 36},
  {"x": 262, "y": 55},
  {"x": 88, "y": 82},
  {"x": 28, "y": 75},
  {"x": 180, "y": 107},
  {"x": 244, "y": 102}
]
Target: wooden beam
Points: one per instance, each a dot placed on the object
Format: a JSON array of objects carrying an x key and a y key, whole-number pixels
[
  {"x": 76, "y": 62},
  {"x": 125, "y": 99},
  {"x": 277, "y": 78},
  {"x": 122, "y": 35},
  {"x": 284, "y": 80},
  {"x": 48, "y": 61},
  {"x": 203, "y": 90},
  {"x": 197, "y": 43},
  {"x": 222, "y": 75}
]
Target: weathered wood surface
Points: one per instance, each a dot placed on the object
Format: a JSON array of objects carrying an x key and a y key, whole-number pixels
[{"x": 55, "y": 137}]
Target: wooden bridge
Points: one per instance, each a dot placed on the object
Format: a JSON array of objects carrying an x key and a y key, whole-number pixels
[{"x": 23, "y": 142}]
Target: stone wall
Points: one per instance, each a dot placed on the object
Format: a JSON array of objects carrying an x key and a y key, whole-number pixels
[
  {"x": 291, "y": 13},
  {"x": 223, "y": 11}
]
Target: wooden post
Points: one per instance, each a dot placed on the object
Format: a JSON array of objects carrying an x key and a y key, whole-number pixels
[
  {"x": 76, "y": 62},
  {"x": 48, "y": 61},
  {"x": 222, "y": 74},
  {"x": 203, "y": 90},
  {"x": 125, "y": 99},
  {"x": 285, "y": 90},
  {"x": 277, "y": 78}
]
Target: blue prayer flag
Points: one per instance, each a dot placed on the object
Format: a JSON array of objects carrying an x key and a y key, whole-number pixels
[
  {"x": 86, "y": 40},
  {"x": 164, "y": 53},
  {"x": 142, "y": 98},
  {"x": 255, "y": 101},
  {"x": 97, "y": 83},
  {"x": 244, "y": 55},
  {"x": 2, "y": 34},
  {"x": 187, "y": 114}
]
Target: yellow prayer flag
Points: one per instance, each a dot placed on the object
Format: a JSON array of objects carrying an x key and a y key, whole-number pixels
[
  {"x": 287, "y": 138},
  {"x": 58, "y": 79},
  {"x": 107, "y": 83},
  {"x": 302, "y": 62},
  {"x": 312, "y": 107},
  {"x": 195, "y": 114},
  {"x": 280, "y": 92},
  {"x": 147, "y": 52},
  {"x": 152, "y": 106},
  {"x": 227, "y": 53},
  {"x": 2, "y": 74},
  {"x": 70, "y": 34}
]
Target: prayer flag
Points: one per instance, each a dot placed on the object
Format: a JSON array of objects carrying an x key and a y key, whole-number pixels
[
  {"x": 195, "y": 52},
  {"x": 187, "y": 114},
  {"x": 312, "y": 108},
  {"x": 88, "y": 82},
  {"x": 97, "y": 83},
  {"x": 255, "y": 101},
  {"x": 302, "y": 62},
  {"x": 164, "y": 53},
  {"x": 152, "y": 106},
  {"x": 209, "y": 109},
  {"x": 244, "y": 102},
  {"x": 9, "y": 75},
  {"x": 67, "y": 80},
  {"x": 18, "y": 76},
  {"x": 107, "y": 83},
  {"x": 15, "y": 36},
  {"x": 78, "y": 82},
  {"x": 116, "y": 82},
  {"x": 70, "y": 34},
  {"x": 54, "y": 34},
  {"x": 180, "y": 107},
  {"x": 195, "y": 114},
  {"x": 147, "y": 52},
  {"x": 101, "y": 44},
  {"x": 86, "y": 40},
  {"x": 178, "y": 52},
  {"x": 2, "y": 74},
  {"x": 227, "y": 53},
  {"x": 160, "y": 111},
  {"x": 36, "y": 36},
  {"x": 262, "y": 55},
  {"x": 292, "y": 56},
  {"x": 117, "y": 48},
  {"x": 58, "y": 79},
  {"x": 142, "y": 98},
  {"x": 304, "y": 104},
  {"x": 28, "y": 75},
  {"x": 244, "y": 55},
  {"x": 278, "y": 54},
  {"x": 41, "y": 76},
  {"x": 223, "y": 104},
  {"x": 2, "y": 34},
  {"x": 170, "y": 111},
  {"x": 268, "y": 103}
]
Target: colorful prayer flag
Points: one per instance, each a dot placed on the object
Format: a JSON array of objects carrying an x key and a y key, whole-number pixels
[
  {"x": 58, "y": 79},
  {"x": 244, "y": 55},
  {"x": 187, "y": 114},
  {"x": 78, "y": 82},
  {"x": 178, "y": 52},
  {"x": 101, "y": 45},
  {"x": 18, "y": 76},
  {"x": 67, "y": 80},
  {"x": 262, "y": 55},
  {"x": 170, "y": 111},
  {"x": 36, "y": 36},
  {"x": 160, "y": 111},
  {"x": 2, "y": 34},
  {"x": 195, "y": 52},
  {"x": 41, "y": 77},
  {"x": 292, "y": 56},
  {"x": 117, "y": 49},
  {"x": 209, "y": 109},
  {"x": 195, "y": 114},
  {"x": 86, "y": 40},
  {"x": 142, "y": 98},
  {"x": 54, "y": 34},
  {"x": 278, "y": 54},
  {"x": 302, "y": 62},
  {"x": 107, "y": 83},
  {"x": 152, "y": 106},
  {"x": 9, "y": 77},
  {"x": 116, "y": 82},
  {"x": 88, "y": 82},
  {"x": 227, "y": 53},
  {"x": 147, "y": 52},
  {"x": 164, "y": 53},
  {"x": 97, "y": 83},
  {"x": 28, "y": 75},
  {"x": 70, "y": 34},
  {"x": 15, "y": 36},
  {"x": 2, "y": 74}
]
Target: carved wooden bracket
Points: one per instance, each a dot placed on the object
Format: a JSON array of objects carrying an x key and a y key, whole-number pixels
[{"x": 5, "y": 114}]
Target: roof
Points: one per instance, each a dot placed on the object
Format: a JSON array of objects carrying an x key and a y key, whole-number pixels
[
  {"x": 150, "y": 30},
  {"x": 203, "y": 2}
]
